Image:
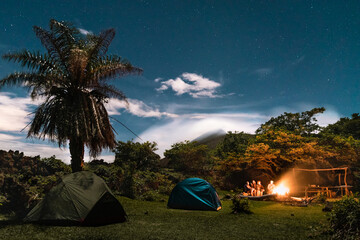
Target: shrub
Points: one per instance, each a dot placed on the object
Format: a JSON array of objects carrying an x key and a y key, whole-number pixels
[
  {"x": 345, "y": 219},
  {"x": 240, "y": 205},
  {"x": 128, "y": 186},
  {"x": 17, "y": 197},
  {"x": 152, "y": 195},
  {"x": 54, "y": 165},
  {"x": 147, "y": 185},
  {"x": 320, "y": 198}
]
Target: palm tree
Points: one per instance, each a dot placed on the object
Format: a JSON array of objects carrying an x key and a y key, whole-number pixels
[{"x": 71, "y": 79}]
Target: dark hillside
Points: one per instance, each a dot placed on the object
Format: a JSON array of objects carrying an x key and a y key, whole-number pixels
[{"x": 211, "y": 139}]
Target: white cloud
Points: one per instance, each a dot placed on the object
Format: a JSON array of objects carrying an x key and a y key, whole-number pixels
[
  {"x": 135, "y": 107},
  {"x": 226, "y": 115},
  {"x": 193, "y": 84},
  {"x": 14, "y": 112},
  {"x": 330, "y": 116},
  {"x": 84, "y": 31},
  {"x": 7, "y": 137},
  {"x": 157, "y": 79}
]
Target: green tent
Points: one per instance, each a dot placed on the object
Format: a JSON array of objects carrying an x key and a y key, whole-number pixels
[
  {"x": 194, "y": 194},
  {"x": 81, "y": 198}
]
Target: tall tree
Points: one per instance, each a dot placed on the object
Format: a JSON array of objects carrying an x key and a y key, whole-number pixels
[{"x": 71, "y": 79}]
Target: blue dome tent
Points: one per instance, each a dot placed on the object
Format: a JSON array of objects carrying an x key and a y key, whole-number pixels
[{"x": 194, "y": 194}]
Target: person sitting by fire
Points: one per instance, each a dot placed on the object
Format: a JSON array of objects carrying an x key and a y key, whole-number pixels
[
  {"x": 271, "y": 187},
  {"x": 253, "y": 188},
  {"x": 247, "y": 188},
  {"x": 259, "y": 189}
]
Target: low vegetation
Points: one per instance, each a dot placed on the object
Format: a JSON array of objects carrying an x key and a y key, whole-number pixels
[
  {"x": 153, "y": 220},
  {"x": 345, "y": 219},
  {"x": 240, "y": 205}
]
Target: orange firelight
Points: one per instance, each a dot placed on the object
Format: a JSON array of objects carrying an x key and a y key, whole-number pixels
[{"x": 281, "y": 189}]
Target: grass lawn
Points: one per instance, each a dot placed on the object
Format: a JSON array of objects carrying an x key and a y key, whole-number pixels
[{"x": 152, "y": 220}]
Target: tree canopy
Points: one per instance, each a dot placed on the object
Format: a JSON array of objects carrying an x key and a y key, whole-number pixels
[
  {"x": 345, "y": 127},
  {"x": 136, "y": 156},
  {"x": 303, "y": 123},
  {"x": 188, "y": 157}
]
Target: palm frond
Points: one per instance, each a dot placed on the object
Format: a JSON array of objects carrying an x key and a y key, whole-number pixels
[
  {"x": 48, "y": 40},
  {"x": 65, "y": 32},
  {"x": 113, "y": 67},
  {"x": 107, "y": 138},
  {"x": 22, "y": 78},
  {"x": 33, "y": 60},
  {"x": 101, "y": 43},
  {"x": 38, "y": 84}
]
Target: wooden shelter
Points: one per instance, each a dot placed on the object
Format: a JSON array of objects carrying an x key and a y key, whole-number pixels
[{"x": 330, "y": 188}]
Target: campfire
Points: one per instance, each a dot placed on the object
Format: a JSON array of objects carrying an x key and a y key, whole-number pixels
[{"x": 281, "y": 190}]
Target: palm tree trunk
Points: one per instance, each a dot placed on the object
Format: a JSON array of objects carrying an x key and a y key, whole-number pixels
[{"x": 77, "y": 154}]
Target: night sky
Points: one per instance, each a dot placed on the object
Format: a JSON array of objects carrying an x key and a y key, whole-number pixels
[{"x": 208, "y": 65}]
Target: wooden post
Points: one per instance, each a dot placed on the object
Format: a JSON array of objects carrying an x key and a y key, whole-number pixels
[
  {"x": 295, "y": 182},
  {"x": 342, "y": 194},
  {"x": 346, "y": 188}
]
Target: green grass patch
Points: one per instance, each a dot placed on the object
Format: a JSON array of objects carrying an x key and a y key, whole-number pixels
[{"x": 153, "y": 220}]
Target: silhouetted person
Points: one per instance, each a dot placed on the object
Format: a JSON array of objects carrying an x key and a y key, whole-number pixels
[
  {"x": 253, "y": 188},
  {"x": 247, "y": 188},
  {"x": 271, "y": 187},
  {"x": 259, "y": 189}
]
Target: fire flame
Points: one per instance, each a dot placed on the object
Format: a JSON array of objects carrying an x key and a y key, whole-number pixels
[{"x": 281, "y": 189}]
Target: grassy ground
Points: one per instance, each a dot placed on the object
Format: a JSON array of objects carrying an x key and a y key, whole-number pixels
[{"x": 152, "y": 220}]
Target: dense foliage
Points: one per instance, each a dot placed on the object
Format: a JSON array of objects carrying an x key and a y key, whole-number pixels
[
  {"x": 345, "y": 219},
  {"x": 188, "y": 157},
  {"x": 136, "y": 156},
  {"x": 346, "y": 127},
  {"x": 23, "y": 180},
  {"x": 303, "y": 123}
]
